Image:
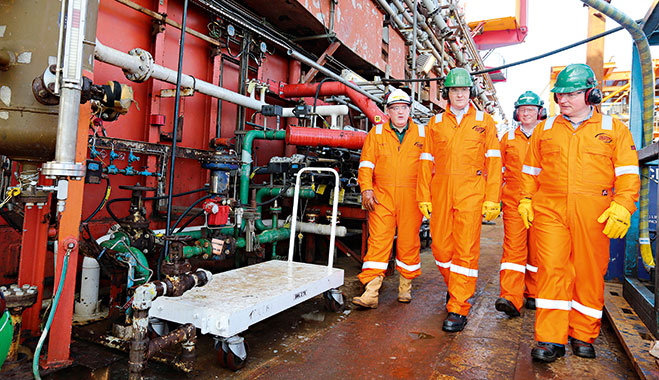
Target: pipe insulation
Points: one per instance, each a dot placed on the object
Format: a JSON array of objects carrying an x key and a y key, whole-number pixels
[
  {"x": 90, "y": 278},
  {"x": 325, "y": 137}
]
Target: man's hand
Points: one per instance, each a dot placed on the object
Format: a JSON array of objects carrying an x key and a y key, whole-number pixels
[
  {"x": 491, "y": 210},
  {"x": 369, "y": 200},
  {"x": 526, "y": 212},
  {"x": 617, "y": 219},
  {"x": 426, "y": 209}
]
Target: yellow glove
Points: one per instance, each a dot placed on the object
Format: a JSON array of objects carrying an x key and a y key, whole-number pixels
[
  {"x": 526, "y": 212},
  {"x": 617, "y": 219},
  {"x": 426, "y": 209},
  {"x": 491, "y": 210}
]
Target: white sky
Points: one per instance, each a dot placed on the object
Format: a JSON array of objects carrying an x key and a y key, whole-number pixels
[{"x": 551, "y": 25}]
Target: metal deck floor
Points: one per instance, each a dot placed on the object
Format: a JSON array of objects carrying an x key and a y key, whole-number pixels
[{"x": 404, "y": 341}]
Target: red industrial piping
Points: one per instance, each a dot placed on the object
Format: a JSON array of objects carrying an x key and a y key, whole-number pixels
[
  {"x": 366, "y": 105},
  {"x": 325, "y": 137}
]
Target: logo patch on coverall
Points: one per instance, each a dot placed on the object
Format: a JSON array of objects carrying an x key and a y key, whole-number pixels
[
  {"x": 418, "y": 145},
  {"x": 603, "y": 137},
  {"x": 478, "y": 128}
]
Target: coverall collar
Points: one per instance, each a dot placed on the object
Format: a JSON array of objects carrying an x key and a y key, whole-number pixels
[
  {"x": 521, "y": 129},
  {"x": 576, "y": 125},
  {"x": 388, "y": 126},
  {"x": 459, "y": 113}
]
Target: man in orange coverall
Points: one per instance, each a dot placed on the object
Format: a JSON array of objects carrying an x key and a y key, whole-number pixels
[
  {"x": 387, "y": 177},
  {"x": 574, "y": 163},
  {"x": 518, "y": 263},
  {"x": 459, "y": 182}
]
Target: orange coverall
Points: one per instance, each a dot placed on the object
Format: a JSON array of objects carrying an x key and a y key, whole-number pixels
[
  {"x": 570, "y": 175},
  {"x": 517, "y": 277},
  {"x": 390, "y": 168},
  {"x": 460, "y": 168}
]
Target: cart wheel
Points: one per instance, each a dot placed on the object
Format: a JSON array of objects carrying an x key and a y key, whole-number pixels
[
  {"x": 334, "y": 300},
  {"x": 227, "y": 358}
]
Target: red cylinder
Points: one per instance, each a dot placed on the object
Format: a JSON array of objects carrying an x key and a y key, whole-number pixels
[{"x": 325, "y": 137}]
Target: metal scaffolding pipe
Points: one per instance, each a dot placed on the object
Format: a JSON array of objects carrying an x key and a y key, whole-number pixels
[
  {"x": 426, "y": 28},
  {"x": 432, "y": 6},
  {"x": 385, "y": 5},
  {"x": 295, "y": 55}
]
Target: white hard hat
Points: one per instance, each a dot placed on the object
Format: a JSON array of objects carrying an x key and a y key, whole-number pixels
[{"x": 398, "y": 96}]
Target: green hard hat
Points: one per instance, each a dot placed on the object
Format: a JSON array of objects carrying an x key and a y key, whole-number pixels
[
  {"x": 458, "y": 77},
  {"x": 529, "y": 98},
  {"x": 574, "y": 77}
]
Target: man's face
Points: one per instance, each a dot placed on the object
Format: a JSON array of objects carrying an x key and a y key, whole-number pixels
[
  {"x": 572, "y": 103},
  {"x": 458, "y": 97},
  {"x": 398, "y": 113},
  {"x": 528, "y": 115}
]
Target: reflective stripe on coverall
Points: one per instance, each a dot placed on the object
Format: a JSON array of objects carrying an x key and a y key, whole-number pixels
[
  {"x": 570, "y": 176},
  {"x": 390, "y": 168},
  {"x": 460, "y": 168},
  {"x": 517, "y": 276}
]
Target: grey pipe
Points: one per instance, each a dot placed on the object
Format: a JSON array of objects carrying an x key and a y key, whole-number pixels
[
  {"x": 431, "y": 6},
  {"x": 385, "y": 5},
  {"x": 434, "y": 46},
  {"x": 139, "y": 66}
]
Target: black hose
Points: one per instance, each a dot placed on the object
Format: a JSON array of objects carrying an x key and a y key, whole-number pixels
[
  {"x": 169, "y": 231},
  {"x": 103, "y": 201},
  {"x": 180, "y": 229},
  {"x": 172, "y": 159},
  {"x": 111, "y": 201},
  {"x": 187, "y": 210},
  {"x": 315, "y": 98},
  {"x": 515, "y": 63}
]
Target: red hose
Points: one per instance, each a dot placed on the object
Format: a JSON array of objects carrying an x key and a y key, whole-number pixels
[{"x": 365, "y": 104}]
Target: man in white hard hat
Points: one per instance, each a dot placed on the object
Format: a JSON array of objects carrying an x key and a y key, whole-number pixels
[{"x": 387, "y": 177}]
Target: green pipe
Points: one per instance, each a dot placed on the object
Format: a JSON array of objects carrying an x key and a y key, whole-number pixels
[
  {"x": 121, "y": 243},
  {"x": 246, "y": 169},
  {"x": 6, "y": 335},
  {"x": 647, "y": 68},
  {"x": 306, "y": 192},
  {"x": 202, "y": 247},
  {"x": 267, "y": 236}
]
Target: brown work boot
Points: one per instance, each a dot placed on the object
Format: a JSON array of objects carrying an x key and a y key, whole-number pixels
[
  {"x": 405, "y": 290},
  {"x": 370, "y": 297}
]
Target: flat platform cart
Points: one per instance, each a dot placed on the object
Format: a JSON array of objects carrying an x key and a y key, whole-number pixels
[{"x": 234, "y": 300}]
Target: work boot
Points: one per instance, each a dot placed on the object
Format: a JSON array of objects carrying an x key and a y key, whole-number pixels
[
  {"x": 405, "y": 290},
  {"x": 370, "y": 297},
  {"x": 530, "y": 303},
  {"x": 454, "y": 322},
  {"x": 582, "y": 349},
  {"x": 507, "y": 307},
  {"x": 548, "y": 352}
]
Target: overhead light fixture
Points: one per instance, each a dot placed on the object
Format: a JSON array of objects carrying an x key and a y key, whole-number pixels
[{"x": 425, "y": 63}]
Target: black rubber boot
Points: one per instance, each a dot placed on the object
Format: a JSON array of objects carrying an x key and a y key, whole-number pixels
[
  {"x": 507, "y": 307},
  {"x": 454, "y": 322},
  {"x": 530, "y": 303},
  {"x": 548, "y": 352},
  {"x": 582, "y": 349}
]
